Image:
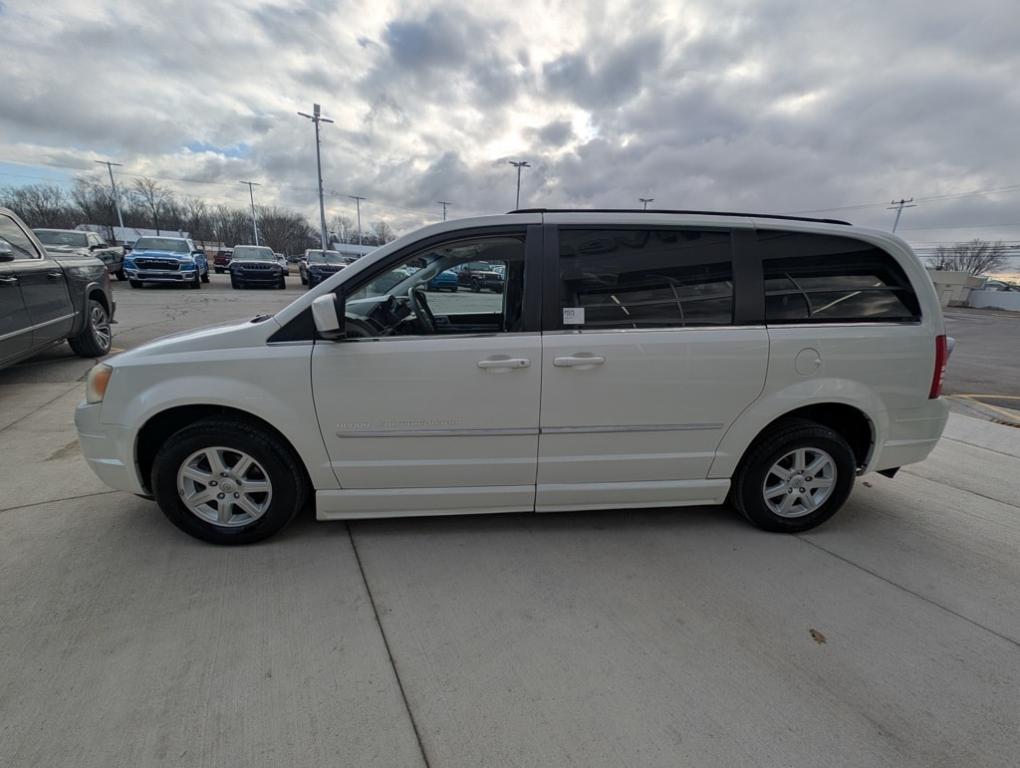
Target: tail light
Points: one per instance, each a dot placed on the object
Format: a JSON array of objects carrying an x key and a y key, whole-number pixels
[{"x": 941, "y": 358}]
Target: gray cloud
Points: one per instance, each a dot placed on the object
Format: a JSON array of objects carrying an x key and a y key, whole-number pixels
[{"x": 774, "y": 105}]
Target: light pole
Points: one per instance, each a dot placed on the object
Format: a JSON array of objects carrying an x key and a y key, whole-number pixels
[
  {"x": 444, "y": 203},
  {"x": 898, "y": 206},
  {"x": 116, "y": 198},
  {"x": 518, "y": 164},
  {"x": 254, "y": 223},
  {"x": 358, "y": 201},
  {"x": 645, "y": 201},
  {"x": 316, "y": 117}
]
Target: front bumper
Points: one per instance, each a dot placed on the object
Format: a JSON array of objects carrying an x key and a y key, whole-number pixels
[
  {"x": 258, "y": 277},
  {"x": 108, "y": 449},
  {"x": 157, "y": 276}
]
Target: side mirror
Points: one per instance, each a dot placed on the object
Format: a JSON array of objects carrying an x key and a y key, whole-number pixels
[
  {"x": 6, "y": 251},
  {"x": 329, "y": 317}
]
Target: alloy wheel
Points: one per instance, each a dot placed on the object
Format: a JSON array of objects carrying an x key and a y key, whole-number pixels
[
  {"x": 224, "y": 486},
  {"x": 799, "y": 482}
]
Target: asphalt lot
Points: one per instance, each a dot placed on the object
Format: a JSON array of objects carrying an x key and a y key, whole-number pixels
[{"x": 888, "y": 637}]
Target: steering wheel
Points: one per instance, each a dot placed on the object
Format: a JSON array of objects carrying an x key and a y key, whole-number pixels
[{"x": 422, "y": 311}]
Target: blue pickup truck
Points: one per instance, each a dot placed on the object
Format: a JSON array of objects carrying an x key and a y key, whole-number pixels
[{"x": 166, "y": 260}]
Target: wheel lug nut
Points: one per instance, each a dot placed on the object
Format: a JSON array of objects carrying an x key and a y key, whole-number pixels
[
  {"x": 237, "y": 495},
  {"x": 808, "y": 478},
  {"x": 223, "y": 474},
  {"x": 213, "y": 483},
  {"x": 801, "y": 490},
  {"x": 219, "y": 495}
]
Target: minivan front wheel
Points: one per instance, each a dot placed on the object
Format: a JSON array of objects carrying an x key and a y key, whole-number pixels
[
  {"x": 227, "y": 482},
  {"x": 795, "y": 477}
]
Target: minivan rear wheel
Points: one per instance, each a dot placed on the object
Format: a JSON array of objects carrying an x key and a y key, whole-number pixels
[
  {"x": 794, "y": 477},
  {"x": 227, "y": 482}
]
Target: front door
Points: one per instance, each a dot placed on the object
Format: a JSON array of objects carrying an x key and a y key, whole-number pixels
[
  {"x": 43, "y": 286},
  {"x": 15, "y": 328},
  {"x": 647, "y": 370},
  {"x": 431, "y": 403}
]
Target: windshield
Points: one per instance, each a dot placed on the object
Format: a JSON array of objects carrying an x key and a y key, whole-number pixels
[
  {"x": 161, "y": 244},
  {"x": 253, "y": 253},
  {"x": 324, "y": 257},
  {"x": 58, "y": 237}
]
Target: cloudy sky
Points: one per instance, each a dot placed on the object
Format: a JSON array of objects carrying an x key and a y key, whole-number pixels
[{"x": 774, "y": 105}]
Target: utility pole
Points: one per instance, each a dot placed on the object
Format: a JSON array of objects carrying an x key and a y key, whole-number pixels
[
  {"x": 116, "y": 198},
  {"x": 444, "y": 203},
  {"x": 645, "y": 201},
  {"x": 898, "y": 206},
  {"x": 316, "y": 117},
  {"x": 358, "y": 201},
  {"x": 254, "y": 223},
  {"x": 518, "y": 164}
]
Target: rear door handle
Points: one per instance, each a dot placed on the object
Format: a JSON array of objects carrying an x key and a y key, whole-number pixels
[
  {"x": 8, "y": 280},
  {"x": 578, "y": 361},
  {"x": 54, "y": 275},
  {"x": 505, "y": 363}
]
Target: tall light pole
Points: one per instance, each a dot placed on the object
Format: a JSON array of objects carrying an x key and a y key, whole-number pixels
[
  {"x": 898, "y": 206},
  {"x": 358, "y": 201},
  {"x": 254, "y": 223},
  {"x": 316, "y": 117},
  {"x": 444, "y": 203},
  {"x": 645, "y": 201},
  {"x": 116, "y": 197},
  {"x": 518, "y": 164}
]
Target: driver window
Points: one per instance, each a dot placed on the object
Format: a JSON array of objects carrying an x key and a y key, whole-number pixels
[{"x": 466, "y": 286}]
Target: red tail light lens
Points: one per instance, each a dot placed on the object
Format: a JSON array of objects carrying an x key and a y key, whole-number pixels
[{"x": 941, "y": 358}]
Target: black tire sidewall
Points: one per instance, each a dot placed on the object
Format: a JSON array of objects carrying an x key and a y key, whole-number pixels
[
  {"x": 748, "y": 495},
  {"x": 287, "y": 490}
]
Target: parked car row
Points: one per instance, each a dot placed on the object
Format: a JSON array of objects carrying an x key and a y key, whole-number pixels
[{"x": 47, "y": 297}]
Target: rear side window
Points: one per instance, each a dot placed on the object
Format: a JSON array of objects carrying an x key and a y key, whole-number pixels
[
  {"x": 825, "y": 278},
  {"x": 645, "y": 278}
]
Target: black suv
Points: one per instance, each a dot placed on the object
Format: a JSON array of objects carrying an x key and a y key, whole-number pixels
[
  {"x": 477, "y": 275},
  {"x": 45, "y": 299},
  {"x": 74, "y": 242}
]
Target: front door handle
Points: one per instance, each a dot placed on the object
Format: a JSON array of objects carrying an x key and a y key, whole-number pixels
[
  {"x": 54, "y": 275},
  {"x": 578, "y": 361},
  {"x": 505, "y": 363},
  {"x": 8, "y": 280}
]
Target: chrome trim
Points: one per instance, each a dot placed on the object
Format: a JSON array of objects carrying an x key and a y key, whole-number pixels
[
  {"x": 580, "y": 331},
  {"x": 496, "y": 431},
  {"x": 37, "y": 326},
  {"x": 466, "y": 432},
  {"x": 629, "y": 428},
  {"x": 433, "y": 336}
]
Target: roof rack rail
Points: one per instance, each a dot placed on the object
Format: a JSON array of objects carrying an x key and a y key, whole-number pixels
[{"x": 698, "y": 213}]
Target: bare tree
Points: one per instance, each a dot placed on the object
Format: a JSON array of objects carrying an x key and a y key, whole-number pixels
[
  {"x": 41, "y": 205},
  {"x": 977, "y": 257},
  {"x": 383, "y": 232},
  {"x": 196, "y": 218},
  {"x": 152, "y": 195},
  {"x": 343, "y": 227}
]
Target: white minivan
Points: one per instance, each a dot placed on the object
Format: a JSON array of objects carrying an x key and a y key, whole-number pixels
[{"x": 630, "y": 359}]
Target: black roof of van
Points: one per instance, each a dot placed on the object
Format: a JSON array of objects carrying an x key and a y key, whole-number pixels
[{"x": 698, "y": 213}]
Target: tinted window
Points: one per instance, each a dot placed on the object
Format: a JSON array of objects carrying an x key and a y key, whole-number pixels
[
  {"x": 643, "y": 278},
  {"x": 825, "y": 278},
  {"x": 18, "y": 240},
  {"x": 161, "y": 244}
]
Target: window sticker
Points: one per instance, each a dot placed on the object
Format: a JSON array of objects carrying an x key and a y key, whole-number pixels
[{"x": 573, "y": 315}]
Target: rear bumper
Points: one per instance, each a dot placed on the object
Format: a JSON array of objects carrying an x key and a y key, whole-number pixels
[
  {"x": 108, "y": 449},
  {"x": 912, "y": 435}
]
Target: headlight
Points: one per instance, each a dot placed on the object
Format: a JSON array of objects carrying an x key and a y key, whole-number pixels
[{"x": 96, "y": 382}]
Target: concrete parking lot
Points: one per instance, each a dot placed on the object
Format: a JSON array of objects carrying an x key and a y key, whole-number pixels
[{"x": 888, "y": 637}]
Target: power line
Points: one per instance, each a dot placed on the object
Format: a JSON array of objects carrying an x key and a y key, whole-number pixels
[{"x": 899, "y": 206}]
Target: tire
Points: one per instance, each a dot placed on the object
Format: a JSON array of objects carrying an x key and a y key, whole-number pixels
[
  {"x": 304, "y": 280},
  {"x": 135, "y": 283},
  {"x": 235, "y": 283},
  {"x": 282, "y": 285},
  {"x": 205, "y": 277},
  {"x": 748, "y": 493},
  {"x": 273, "y": 462},
  {"x": 196, "y": 283},
  {"x": 453, "y": 289},
  {"x": 476, "y": 286},
  {"x": 119, "y": 274},
  {"x": 96, "y": 338}
]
